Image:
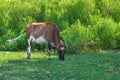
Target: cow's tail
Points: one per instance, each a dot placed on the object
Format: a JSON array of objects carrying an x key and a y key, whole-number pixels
[{"x": 15, "y": 39}]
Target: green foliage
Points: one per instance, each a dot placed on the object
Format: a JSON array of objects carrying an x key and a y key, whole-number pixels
[
  {"x": 109, "y": 8},
  {"x": 77, "y": 37},
  {"x": 84, "y": 24},
  {"x": 104, "y": 30},
  {"x": 104, "y": 34}
]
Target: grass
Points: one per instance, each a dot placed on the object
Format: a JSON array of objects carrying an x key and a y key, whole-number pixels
[{"x": 89, "y": 66}]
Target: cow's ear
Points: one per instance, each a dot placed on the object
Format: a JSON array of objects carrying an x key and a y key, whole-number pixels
[
  {"x": 65, "y": 46},
  {"x": 62, "y": 48}
]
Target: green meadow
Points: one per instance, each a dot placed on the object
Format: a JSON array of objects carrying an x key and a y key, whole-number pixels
[{"x": 89, "y": 66}]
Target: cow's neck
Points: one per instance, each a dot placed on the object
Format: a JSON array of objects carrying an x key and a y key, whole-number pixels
[
  {"x": 57, "y": 38},
  {"x": 58, "y": 44}
]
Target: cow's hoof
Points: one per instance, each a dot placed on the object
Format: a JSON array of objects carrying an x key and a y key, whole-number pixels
[
  {"x": 61, "y": 59},
  {"x": 28, "y": 58},
  {"x": 49, "y": 59}
]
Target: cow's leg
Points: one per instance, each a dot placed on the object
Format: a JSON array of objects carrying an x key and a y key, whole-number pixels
[
  {"x": 29, "y": 50},
  {"x": 49, "y": 50}
]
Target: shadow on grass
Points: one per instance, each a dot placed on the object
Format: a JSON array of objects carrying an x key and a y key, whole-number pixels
[{"x": 24, "y": 69}]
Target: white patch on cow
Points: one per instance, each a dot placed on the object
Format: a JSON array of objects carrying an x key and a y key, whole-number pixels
[
  {"x": 52, "y": 44},
  {"x": 49, "y": 51},
  {"x": 62, "y": 48},
  {"x": 40, "y": 39},
  {"x": 29, "y": 48}
]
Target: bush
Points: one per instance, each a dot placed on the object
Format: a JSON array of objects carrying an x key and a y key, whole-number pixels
[
  {"x": 104, "y": 31},
  {"x": 117, "y": 36},
  {"x": 104, "y": 34},
  {"x": 85, "y": 25},
  {"x": 77, "y": 37}
]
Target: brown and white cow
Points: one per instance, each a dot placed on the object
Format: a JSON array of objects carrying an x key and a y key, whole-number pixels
[{"x": 43, "y": 33}]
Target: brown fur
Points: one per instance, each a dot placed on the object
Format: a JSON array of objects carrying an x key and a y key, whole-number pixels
[{"x": 49, "y": 30}]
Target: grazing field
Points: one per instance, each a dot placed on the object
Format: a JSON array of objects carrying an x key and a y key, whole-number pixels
[{"x": 89, "y": 66}]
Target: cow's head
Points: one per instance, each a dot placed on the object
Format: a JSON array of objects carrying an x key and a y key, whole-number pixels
[{"x": 61, "y": 51}]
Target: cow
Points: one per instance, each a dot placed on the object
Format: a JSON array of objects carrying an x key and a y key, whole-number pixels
[{"x": 43, "y": 32}]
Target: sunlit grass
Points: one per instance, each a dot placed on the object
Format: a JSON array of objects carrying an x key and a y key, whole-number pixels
[{"x": 89, "y": 66}]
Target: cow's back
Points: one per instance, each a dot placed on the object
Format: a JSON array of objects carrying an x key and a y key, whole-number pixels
[{"x": 48, "y": 30}]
